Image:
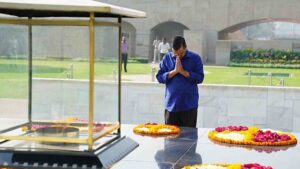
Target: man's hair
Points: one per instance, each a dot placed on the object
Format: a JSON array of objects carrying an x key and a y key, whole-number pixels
[{"x": 179, "y": 42}]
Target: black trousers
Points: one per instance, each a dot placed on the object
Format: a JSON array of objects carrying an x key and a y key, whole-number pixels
[
  {"x": 124, "y": 60},
  {"x": 183, "y": 119}
]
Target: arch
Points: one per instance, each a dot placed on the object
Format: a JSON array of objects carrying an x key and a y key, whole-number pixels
[
  {"x": 168, "y": 30},
  {"x": 223, "y": 34},
  {"x": 129, "y": 31}
]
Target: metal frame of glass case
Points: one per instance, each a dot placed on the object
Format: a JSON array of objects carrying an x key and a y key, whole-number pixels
[
  {"x": 90, "y": 23},
  {"x": 100, "y": 150}
]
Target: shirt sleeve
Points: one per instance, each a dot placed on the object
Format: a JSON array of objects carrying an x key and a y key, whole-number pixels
[
  {"x": 163, "y": 73},
  {"x": 197, "y": 75}
]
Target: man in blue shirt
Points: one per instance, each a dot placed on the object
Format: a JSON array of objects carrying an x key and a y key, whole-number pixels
[{"x": 181, "y": 70}]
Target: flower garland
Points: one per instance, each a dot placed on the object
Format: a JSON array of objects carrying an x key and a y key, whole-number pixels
[
  {"x": 227, "y": 166},
  {"x": 261, "y": 149},
  {"x": 156, "y": 129},
  {"x": 243, "y": 135},
  {"x": 66, "y": 122}
]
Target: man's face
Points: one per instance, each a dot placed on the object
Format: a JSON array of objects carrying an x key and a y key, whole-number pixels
[{"x": 180, "y": 52}]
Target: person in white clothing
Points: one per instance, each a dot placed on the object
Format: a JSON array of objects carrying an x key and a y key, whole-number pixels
[
  {"x": 156, "y": 51},
  {"x": 163, "y": 48}
]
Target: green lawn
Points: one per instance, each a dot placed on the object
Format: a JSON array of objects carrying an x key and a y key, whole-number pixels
[
  {"x": 234, "y": 75},
  {"x": 13, "y": 74}
]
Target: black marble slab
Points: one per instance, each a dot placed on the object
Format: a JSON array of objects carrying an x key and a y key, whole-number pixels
[{"x": 192, "y": 146}]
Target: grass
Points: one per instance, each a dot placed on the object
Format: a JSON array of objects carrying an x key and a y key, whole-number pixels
[
  {"x": 14, "y": 73},
  {"x": 14, "y": 83},
  {"x": 235, "y": 76},
  {"x": 265, "y": 65}
]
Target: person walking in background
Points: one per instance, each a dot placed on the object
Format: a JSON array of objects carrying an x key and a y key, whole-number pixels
[
  {"x": 156, "y": 51},
  {"x": 125, "y": 48},
  {"x": 181, "y": 71},
  {"x": 163, "y": 48}
]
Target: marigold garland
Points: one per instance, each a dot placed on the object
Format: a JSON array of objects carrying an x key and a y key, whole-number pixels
[
  {"x": 66, "y": 122},
  {"x": 156, "y": 129},
  {"x": 227, "y": 166},
  {"x": 253, "y": 136}
]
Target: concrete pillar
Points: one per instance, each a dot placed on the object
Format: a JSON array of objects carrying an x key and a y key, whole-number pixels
[
  {"x": 196, "y": 42},
  {"x": 223, "y": 49},
  {"x": 211, "y": 44},
  {"x": 203, "y": 42}
]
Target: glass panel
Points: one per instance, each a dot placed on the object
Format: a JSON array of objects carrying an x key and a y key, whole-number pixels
[
  {"x": 13, "y": 75},
  {"x": 60, "y": 79},
  {"x": 106, "y": 74},
  {"x": 60, "y": 84}
]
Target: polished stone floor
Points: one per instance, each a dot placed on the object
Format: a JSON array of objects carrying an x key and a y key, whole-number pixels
[{"x": 193, "y": 147}]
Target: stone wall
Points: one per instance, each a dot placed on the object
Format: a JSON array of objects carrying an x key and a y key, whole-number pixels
[
  {"x": 268, "y": 107},
  {"x": 206, "y": 17}
]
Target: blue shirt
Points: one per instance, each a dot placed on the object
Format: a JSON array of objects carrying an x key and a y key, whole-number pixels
[{"x": 181, "y": 93}]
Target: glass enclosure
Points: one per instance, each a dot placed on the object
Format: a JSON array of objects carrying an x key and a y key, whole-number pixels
[{"x": 60, "y": 83}]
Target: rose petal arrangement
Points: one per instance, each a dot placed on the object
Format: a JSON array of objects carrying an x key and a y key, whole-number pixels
[
  {"x": 156, "y": 129},
  {"x": 244, "y": 135},
  {"x": 97, "y": 126},
  {"x": 227, "y": 166},
  {"x": 260, "y": 149}
]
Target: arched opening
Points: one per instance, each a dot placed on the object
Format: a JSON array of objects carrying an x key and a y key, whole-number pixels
[
  {"x": 235, "y": 31},
  {"x": 167, "y": 30},
  {"x": 129, "y": 31},
  {"x": 258, "y": 35}
]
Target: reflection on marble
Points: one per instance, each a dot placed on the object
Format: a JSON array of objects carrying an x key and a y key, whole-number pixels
[
  {"x": 176, "y": 152},
  {"x": 142, "y": 165},
  {"x": 193, "y": 146},
  {"x": 212, "y": 153},
  {"x": 260, "y": 149},
  {"x": 191, "y": 157}
]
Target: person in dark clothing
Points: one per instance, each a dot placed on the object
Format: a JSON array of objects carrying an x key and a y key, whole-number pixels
[
  {"x": 125, "y": 48},
  {"x": 181, "y": 71}
]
